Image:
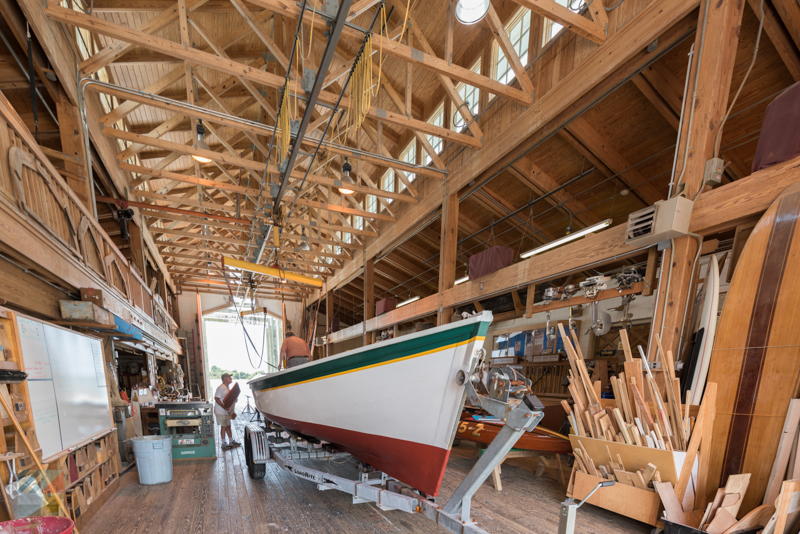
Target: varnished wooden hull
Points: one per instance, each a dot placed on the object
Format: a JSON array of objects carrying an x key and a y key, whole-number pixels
[
  {"x": 484, "y": 432},
  {"x": 756, "y": 356}
]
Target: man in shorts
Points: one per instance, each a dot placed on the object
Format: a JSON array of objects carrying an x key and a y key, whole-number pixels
[{"x": 223, "y": 416}]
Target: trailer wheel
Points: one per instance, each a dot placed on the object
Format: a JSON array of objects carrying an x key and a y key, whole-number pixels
[{"x": 256, "y": 471}]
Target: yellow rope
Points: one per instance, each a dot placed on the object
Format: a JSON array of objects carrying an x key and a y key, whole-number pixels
[
  {"x": 298, "y": 73},
  {"x": 284, "y": 125},
  {"x": 311, "y": 36},
  {"x": 403, "y": 31}
]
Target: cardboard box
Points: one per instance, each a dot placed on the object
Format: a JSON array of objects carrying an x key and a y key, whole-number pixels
[{"x": 90, "y": 294}]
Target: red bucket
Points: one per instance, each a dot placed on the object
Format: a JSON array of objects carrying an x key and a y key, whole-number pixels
[{"x": 38, "y": 525}]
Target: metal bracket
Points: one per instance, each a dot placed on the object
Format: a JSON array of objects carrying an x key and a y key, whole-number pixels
[{"x": 308, "y": 79}]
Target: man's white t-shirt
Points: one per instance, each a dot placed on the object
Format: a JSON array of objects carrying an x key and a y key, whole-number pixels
[{"x": 222, "y": 392}]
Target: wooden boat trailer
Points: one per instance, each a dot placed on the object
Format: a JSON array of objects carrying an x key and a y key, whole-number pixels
[{"x": 264, "y": 445}]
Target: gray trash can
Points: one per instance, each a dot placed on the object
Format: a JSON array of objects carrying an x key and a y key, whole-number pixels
[{"x": 153, "y": 459}]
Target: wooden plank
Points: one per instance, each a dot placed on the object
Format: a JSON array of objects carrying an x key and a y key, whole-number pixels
[
  {"x": 672, "y": 506},
  {"x": 778, "y": 473},
  {"x": 638, "y": 504}
]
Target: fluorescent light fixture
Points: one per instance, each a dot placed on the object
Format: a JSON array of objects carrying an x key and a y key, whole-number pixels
[
  {"x": 409, "y": 301},
  {"x": 462, "y": 280},
  {"x": 471, "y": 11},
  {"x": 567, "y": 238}
]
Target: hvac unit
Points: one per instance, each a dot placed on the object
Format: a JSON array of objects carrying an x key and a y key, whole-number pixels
[{"x": 664, "y": 220}]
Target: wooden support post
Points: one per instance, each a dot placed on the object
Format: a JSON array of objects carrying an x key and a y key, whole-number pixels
[
  {"x": 409, "y": 79},
  {"x": 69, "y": 123},
  {"x": 328, "y": 317},
  {"x": 529, "y": 301},
  {"x": 369, "y": 296},
  {"x": 650, "y": 272},
  {"x": 199, "y": 349},
  {"x": 716, "y": 48},
  {"x": 447, "y": 253},
  {"x": 448, "y": 42}
]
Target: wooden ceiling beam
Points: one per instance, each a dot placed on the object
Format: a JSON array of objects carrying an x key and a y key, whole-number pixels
[
  {"x": 239, "y": 162},
  {"x": 505, "y": 44},
  {"x": 447, "y": 84},
  {"x": 150, "y": 173},
  {"x": 542, "y": 183},
  {"x": 404, "y": 52},
  {"x": 163, "y": 83},
  {"x": 608, "y": 160},
  {"x": 615, "y": 59},
  {"x": 789, "y": 12},
  {"x": 172, "y": 199},
  {"x": 572, "y": 21},
  {"x": 781, "y": 38},
  {"x": 193, "y": 235},
  {"x": 250, "y": 19},
  {"x": 243, "y": 71},
  {"x": 336, "y": 228},
  {"x": 114, "y": 51}
]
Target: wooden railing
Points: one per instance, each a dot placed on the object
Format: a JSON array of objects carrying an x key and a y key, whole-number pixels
[{"x": 32, "y": 186}]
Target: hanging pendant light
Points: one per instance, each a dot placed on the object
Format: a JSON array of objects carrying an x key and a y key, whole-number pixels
[
  {"x": 471, "y": 11},
  {"x": 304, "y": 244},
  {"x": 346, "y": 179},
  {"x": 201, "y": 143}
]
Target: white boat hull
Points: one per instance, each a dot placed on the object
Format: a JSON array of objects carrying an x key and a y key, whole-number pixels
[{"x": 393, "y": 405}]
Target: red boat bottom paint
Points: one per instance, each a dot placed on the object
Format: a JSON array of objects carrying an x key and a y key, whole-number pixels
[{"x": 418, "y": 465}]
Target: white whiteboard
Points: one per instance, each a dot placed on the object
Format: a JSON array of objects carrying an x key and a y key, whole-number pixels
[{"x": 67, "y": 384}]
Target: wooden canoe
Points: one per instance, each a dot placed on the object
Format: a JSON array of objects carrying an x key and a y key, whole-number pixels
[
  {"x": 485, "y": 431},
  {"x": 756, "y": 357}
]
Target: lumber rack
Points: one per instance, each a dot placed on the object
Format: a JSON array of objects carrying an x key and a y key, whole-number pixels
[{"x": 265, "y": 445}]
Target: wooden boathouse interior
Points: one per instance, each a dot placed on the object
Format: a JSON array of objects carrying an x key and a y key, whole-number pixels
[{"x": 616, "y": 181}]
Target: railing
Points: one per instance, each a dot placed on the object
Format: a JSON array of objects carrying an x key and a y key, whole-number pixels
[{"x": 32, "y": 186}]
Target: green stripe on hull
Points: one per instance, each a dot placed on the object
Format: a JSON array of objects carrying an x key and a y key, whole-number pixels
[{"x": 381, "y": 354}]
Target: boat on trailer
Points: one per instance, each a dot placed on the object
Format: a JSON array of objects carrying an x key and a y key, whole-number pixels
[{"x": 394, "y": 405}]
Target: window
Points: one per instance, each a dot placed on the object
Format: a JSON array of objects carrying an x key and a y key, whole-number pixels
[
  {"x": 551, "y": 28},
  {"x": 387, "y": 182},
  {"x": 471, "y": 96},
  {"x": 409, "y": 155},
  {"x": 372, "y": 204},
  {"x": 358, "y": 222},
  {"x": 519, "y": 30},
  {"x": 437, "y": 119},
  {"x": 337, "y": 249}
]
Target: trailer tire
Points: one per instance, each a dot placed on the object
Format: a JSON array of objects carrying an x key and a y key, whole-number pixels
[{"x": 256, "y": 471}]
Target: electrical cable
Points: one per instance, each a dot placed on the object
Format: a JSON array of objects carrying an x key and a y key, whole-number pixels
[{"x": 718, "y": 139}]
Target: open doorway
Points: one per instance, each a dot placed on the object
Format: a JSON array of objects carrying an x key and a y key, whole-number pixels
[{"x": 244, "y": 347}]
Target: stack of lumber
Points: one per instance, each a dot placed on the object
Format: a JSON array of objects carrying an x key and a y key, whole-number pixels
[
  {"x": 631, "y": 421},
  {"x": 642, "y": 439},
  {"x": 719, "y": 516}
]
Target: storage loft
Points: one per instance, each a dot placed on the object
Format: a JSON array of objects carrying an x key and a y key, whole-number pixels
[{"x": 468, "y": 263}]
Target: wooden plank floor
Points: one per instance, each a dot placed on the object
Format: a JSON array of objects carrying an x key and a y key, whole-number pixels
[{"x": 218, "y": 496}]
